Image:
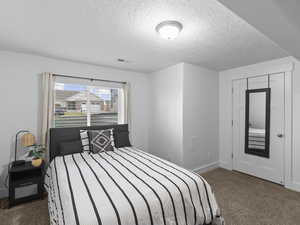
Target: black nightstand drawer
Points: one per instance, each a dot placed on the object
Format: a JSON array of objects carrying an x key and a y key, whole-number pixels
[
  {"x": 26, "y": 174},
  {"x": 26, "y": 181}
]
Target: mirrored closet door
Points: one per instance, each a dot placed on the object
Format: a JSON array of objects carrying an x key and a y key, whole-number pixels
[{"x": 258, "y": 125}]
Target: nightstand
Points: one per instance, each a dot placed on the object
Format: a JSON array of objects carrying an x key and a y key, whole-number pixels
[{"x": 25, "y": 183}]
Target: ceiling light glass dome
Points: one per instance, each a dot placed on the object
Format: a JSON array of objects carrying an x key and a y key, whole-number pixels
[{"x": 169, "y": 29}]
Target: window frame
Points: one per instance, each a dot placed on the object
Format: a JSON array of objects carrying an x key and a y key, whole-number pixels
[{"x": 89, "y": 86}]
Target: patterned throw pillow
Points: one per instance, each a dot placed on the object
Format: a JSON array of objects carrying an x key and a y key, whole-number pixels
[{"x": 101, "y": 140}]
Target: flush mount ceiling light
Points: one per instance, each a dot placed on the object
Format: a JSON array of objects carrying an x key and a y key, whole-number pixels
[{"x": 169, "y": 29}]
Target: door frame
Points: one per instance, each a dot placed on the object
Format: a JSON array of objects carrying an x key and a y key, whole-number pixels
[{"x": 288, "y": 129}]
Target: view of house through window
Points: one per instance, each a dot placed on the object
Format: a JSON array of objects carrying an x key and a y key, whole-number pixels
[{"x": 82, "y": 105}]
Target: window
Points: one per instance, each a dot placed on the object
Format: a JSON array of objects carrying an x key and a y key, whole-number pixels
[{"x": 87, "y": 104}]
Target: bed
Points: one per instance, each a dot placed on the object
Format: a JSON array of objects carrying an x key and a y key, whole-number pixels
[{"x": 123, "y": 187}]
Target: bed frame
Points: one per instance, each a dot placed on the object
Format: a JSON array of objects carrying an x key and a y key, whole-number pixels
[{"x": 59, "y": 135}]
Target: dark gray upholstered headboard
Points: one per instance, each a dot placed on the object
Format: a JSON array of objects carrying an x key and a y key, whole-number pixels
[{"x": 59, "y": 135}]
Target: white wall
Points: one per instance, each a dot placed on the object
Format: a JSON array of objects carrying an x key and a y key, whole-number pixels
[
  {"x": 184, "y": 115},
  {"x": 20, "y": 96},
  {"x": 165, "y": 123},
  {"x": 225, "y": 112},
  {"x": 200, "y": 117}
]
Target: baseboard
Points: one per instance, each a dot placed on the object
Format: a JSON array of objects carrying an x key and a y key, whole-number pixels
[
  {"x": 293, "y": 186},
  {"x": 225, "y": 165},
  {"x": 3, "y": 193},
  {"x": 206, "y": 167}
]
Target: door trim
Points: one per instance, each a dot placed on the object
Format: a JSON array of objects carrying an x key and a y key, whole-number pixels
[{"x": 288, "y": 130}]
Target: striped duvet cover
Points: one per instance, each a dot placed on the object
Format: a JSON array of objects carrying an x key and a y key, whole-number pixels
[{"x": 126, "y": 187}]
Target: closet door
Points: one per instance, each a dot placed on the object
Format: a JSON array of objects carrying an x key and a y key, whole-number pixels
[{"x": 258, "y": 143}]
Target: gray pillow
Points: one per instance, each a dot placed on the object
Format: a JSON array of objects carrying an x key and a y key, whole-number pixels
[
  {"x": 122, "y": 139},
  {"x": 70, "y": 147},
  {"x": 101, "y": 140}
]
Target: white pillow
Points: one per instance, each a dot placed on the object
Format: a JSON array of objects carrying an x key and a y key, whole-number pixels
[{"x": 85, "y": 140}]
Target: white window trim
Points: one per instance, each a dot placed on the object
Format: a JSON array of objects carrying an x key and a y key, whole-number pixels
[{"x": 123, "y": 96}]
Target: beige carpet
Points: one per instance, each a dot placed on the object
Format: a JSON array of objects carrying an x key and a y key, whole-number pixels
[
  {"x": 247, "y": 200},
  {"x": 244, "y": 200},
  {"x": 33, "y": 213}
]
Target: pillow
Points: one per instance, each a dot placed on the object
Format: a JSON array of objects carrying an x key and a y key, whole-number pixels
[
  {"x": 122, "y": 139},
  {"x": 101, "y": 140},
  {"x": 70, "y": 147},
  {"x": 85, "y": 143}
]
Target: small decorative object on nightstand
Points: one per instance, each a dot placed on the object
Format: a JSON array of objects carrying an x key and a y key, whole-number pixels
[
  {"x": 25, "y": 183},
  {"x": 37, "y": 153}
]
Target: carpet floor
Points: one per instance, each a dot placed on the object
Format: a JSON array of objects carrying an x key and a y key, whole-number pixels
[
  {"x": 243, "y": 199},
  {"x": 247, "y": 200}
]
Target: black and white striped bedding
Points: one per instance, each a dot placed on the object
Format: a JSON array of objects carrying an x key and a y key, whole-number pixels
[{"x": 127, "y": 187}]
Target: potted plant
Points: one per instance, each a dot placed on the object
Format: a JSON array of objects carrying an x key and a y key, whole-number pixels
[{"x": 36, "y": 152}]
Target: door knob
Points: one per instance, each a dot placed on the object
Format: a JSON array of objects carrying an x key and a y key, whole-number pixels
[{"x": 280, "y": 135}]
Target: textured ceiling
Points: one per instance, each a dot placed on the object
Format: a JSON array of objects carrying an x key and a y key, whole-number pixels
[
  {"x": 281, "y": 14},
  {"x": 101, "y": 31}
]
